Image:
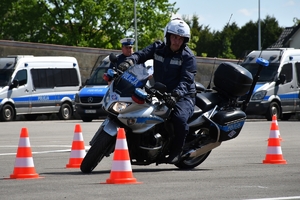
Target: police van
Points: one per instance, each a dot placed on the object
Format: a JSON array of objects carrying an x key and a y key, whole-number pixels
[
  {"x": 34, "y": 85},
  {"x": 277, "y": 91},
  {"x": 88, "y": 100}
]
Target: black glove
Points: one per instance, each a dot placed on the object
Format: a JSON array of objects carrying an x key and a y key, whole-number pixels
[
  {"x": 124, "y": 65},
  {"x": 170, "y": 101}
]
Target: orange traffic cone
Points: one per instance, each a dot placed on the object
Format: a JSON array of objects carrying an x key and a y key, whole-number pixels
[
  {"x": 274, "y": 152},
  {"x": 121, "y": 172},
  {"x": 24, "y": 166},
  {"x": 78, "y": 149},
  {"x": 274, "y": 129}
]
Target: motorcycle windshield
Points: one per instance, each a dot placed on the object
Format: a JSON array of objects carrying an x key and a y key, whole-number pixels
[{"x": 135, "y": 77}]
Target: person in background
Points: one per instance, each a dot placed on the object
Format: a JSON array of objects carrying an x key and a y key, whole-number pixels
[
  {"x": 175, "y": 66},
  {"x": 127, "y": 50}
]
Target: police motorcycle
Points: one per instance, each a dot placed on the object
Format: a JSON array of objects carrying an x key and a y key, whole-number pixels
[{"x": 143, "y": 113}]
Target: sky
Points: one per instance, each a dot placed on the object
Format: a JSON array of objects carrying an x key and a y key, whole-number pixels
[{"x": 217, "y": 13}]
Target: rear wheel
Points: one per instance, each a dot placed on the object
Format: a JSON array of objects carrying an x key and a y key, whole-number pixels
[
  {"x": 102, "y": 146},
  {"x": 7, "y": 113},
  {"x": 190, "y": 163},
  {"x": 274, "y": 109},
  {"x": 65, "y": 112}
]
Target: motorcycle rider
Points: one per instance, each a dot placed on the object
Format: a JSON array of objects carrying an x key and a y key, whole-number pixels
[{"x": 175, "y": 66}]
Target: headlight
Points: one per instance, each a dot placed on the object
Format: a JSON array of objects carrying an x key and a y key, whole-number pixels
[
  {"x": 259, "y": 95},
  {"x": 119, "y": 107},
  {"x": 77, "y": 99}
]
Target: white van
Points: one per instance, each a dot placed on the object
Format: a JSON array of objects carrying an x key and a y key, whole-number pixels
[
  {"x": 277, "y": 91},
  {"x": 33, "y": 85}
]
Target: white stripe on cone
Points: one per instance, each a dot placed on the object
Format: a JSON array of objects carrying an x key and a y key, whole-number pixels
[
  {"x": 121, "y": 144},
  {"x": 78, "y": 137},
  {"x": 77, "y": 153},
  {"x": 24, "y": 142},
  {"x": 121, "y": 165},
  {"x": 274, "y": 134},
  {"x": 274, "y": 150},
  {"x": 24, "y": 162}
]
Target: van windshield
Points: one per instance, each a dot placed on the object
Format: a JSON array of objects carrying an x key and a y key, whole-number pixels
[
  {"x": 5, "y": 75},
  {"x": 97, "y": 76},
  {"x": 267, "y": 73}
]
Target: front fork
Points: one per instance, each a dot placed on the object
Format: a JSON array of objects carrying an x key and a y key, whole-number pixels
[{"x": 109, "y": 126}]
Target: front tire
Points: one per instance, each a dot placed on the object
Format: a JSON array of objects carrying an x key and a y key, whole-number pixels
[
  {"x": 7, "y": 113},
  {"x": 102, "y": 146},
  {"x": 65, "y": 112},
  {"x": 274, "y": 109}
]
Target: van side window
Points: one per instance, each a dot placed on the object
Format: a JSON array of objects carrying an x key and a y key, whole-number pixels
[
  {"x": 298, "y": 72},
  {"x": 50, "y": 78},
  {"x": 287, "y": 70},
  {"x": 21, "y": 76}
]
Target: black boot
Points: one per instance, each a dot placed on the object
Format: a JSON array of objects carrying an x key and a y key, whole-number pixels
[{"x": 174, "y": 157}]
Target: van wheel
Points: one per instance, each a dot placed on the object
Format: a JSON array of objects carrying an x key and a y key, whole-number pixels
[
  {"x": 7, "y": 113},
  {"x": 274, "y": 109},
  {"x": 65, "y": 112}
]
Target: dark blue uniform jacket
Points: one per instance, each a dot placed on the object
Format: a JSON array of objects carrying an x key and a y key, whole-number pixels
[{"x": 176, "y": 70}]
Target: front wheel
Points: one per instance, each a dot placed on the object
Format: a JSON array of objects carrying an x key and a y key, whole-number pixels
[
  {"x": 65, "y": 112},
  {"x": 274, "y": 109},
  {"x": 7, "y": 113},
  {"x": 190, "y": 163},
  {"x": 101, "y": 147}
]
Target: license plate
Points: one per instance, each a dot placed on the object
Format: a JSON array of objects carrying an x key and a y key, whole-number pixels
[{"x": 90, "y": 111}]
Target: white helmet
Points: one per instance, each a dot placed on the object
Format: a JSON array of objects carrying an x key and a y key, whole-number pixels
[{"x": 177, "y": 27}]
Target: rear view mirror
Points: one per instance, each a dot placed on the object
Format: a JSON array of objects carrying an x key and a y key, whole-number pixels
[
  {"x": 281, "y": 79},
  {"x": 14, "y": 84},
  {"x": 113, "y": 58},
  {"x": 160, "y": 87}
]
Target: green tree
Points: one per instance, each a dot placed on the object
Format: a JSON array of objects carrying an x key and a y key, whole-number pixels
[
  {"x": 92, "y": 23},
  {"x": 246, "y": 38},
  {"x": 296, "y": 21},
  {"x": 194, "y": 24}
]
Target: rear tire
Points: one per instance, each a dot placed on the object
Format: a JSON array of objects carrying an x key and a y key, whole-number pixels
[
  {"x": 102, "y": 146},
  {"x": 190, "y": 163}
]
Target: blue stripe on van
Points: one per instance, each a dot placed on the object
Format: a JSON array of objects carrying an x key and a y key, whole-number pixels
[
  {"x": 290, "y": 96},
  {"x": 43, "y": 98}
]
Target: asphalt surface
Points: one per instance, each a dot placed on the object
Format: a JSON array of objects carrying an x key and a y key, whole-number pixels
[{"x": 235, "y": 170}]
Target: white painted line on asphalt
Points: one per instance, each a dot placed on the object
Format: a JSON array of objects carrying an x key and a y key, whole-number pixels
[
  {"x": 277, "y": 198},
  {"x": 40, "y": 152}
]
